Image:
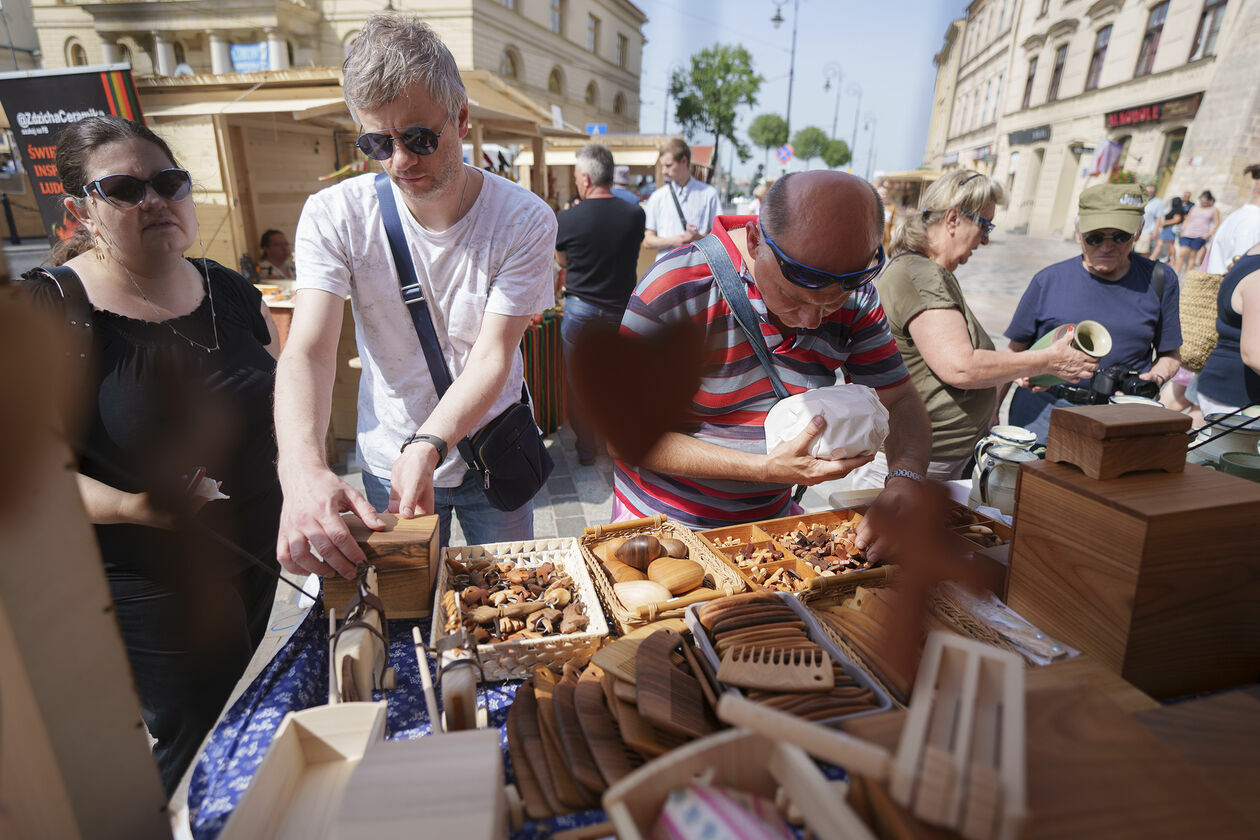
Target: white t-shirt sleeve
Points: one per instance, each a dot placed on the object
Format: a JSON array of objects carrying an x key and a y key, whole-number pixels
[
  {"x": 651, "y": 211},
  {"x": 321, "y": 250},
  {"x": 710, "y": 211},
  {"x": 522, "y": 284}
]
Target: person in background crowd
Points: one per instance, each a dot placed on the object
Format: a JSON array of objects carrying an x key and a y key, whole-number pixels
[
  {"x": 823, "y": 325},
  {"x": 181, "y": 377},
  {"x": 277, "y": 257},
  {"x": 952, "y": 361},
  {"x": 1239, "y": 231},
  {"x": 621, "y": 185},
  {"x": 597, "y": 245},
  {"x": 482, "y": 247},
  {"x": 1231, "y": 377},
  {"x": 1109, "y": 284},
  {"x": 1200, "y": 224},
  {"x": 683, "y": 209},
  {"x": 1152, "y": 213},
  {"x": 759, "y": 194},
  {"x": 1169, "y": 227}
]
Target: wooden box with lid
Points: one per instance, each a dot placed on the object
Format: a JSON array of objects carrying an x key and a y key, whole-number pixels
[
  {"x": 1156, "y": 575},
  {"x": 1108, "y": 441},
  {"x": 405, "y": 555}
]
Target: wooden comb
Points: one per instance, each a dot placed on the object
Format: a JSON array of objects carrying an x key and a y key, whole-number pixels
[{"x": 791, "y": 669}]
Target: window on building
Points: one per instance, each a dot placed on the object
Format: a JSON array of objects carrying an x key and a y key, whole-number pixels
[
  {"x": 181, "y": 56},
  {"x": 1056, "y": 76},
  {"x": 555, "y": 82},
  {"x": 557, "y": 16},
  {"x": 592, "y": 33},
  {"x": 509, "y": 65},
  {"x": 997, "y": 97},
  {"x": 960, "y": 117},
  {"x": 1028, "y": 83},
  {"x": 509, "y": 4},
  {"x": 76, "y": 55},
  {"x": 1123, "y": 142},
  {"x": 1096, "y": 60},
  {"x": 1209, "y": 28},
  {"x": 619, "y": 104},
  {"x": 1150, "y": 40},
  {"x": 124, "y": 53},
  {"x": 1045, "y": 8},
  {"x": 592, "y": 95},
  {"x": 623, "y": 50}
]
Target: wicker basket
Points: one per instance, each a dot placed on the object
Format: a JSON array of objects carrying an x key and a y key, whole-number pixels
[
  {"x": 516, "y": 659},
  {"x": 944, "y": 607},
  {"x": 1198, "y": 318},
  {"x": 718, "y": 576}
]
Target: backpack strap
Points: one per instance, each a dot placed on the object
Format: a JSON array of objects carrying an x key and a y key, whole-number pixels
[{"x": 78, "y": 310}]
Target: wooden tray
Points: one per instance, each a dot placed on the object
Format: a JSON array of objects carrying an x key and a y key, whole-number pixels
[
  {"x": 517, "y": 659},
  {"x": 739, "y": 759},
  {"x": 719, "y": 576},
  {"x": 298, "y": 788}
]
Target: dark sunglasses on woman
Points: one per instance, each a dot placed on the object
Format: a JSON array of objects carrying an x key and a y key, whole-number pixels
[
  {"x": 815, "y": 278},
  {"x": 1093, "y": 240},
  {"x": 419, "y": 141},
  {"x": 127, "y": 191}
]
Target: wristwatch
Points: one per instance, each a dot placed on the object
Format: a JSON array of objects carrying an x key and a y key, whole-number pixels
[
  {"x": 910, "y": 474},
  {"x": 437, "y": 442}
]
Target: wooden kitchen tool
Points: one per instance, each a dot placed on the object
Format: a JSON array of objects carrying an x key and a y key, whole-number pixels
[
  {"x": 668, "y": 697},
  {"x": 618, "y": 658},
  {"x": 777, "y": 669},
  {"x": 525, "y": 746},
  {"x": 572, "y": 738},
  {"x": 572, "y": 795},
  {"x": 426, "y": 681},
  {"x": 1107, "y": 441},
  {"x": 960, "y": 762},
  {"x": 603, "y": 739},
  {"x": 406, "y": 558}
]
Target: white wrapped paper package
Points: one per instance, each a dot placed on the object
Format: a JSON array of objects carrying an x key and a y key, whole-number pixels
[{"x": 857, "y": 421}]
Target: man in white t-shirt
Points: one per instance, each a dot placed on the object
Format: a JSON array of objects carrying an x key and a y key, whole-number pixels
[
  {"x": 684, "y": 208},
  {"x": 1239, "y": 232},
  {"x": 1151, "y": 214},
  {"x": 482, "y": 248}
]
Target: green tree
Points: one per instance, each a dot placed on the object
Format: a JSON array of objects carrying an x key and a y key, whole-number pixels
[
  {"x": 721, "y": 80},
  {"x": 836, "y": 153},
  {"x": 808, "y": 143},
  {"x": 768, "y": 131}
]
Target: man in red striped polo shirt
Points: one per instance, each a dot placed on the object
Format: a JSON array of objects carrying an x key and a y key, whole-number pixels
[{"x": 806, "y": 264}]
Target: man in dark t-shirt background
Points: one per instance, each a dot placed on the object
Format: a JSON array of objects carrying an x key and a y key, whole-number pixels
[{"x": 597, "y": 246}]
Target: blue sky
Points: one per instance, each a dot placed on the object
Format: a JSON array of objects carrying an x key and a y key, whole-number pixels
[{"x": 884, "y": 46}]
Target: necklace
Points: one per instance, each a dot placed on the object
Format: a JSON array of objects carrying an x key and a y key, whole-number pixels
[
  {"x": 462, "y": 191},
  {"x": 214, "y": 324}
]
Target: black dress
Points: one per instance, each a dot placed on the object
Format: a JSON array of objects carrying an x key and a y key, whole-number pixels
[{"x": 191, "y": 609}]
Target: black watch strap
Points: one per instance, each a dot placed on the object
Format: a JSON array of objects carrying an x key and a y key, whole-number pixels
[{"x": 437, "y": 442}]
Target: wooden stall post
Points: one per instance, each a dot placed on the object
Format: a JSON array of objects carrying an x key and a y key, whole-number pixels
[{"x": 538, "y": 174}]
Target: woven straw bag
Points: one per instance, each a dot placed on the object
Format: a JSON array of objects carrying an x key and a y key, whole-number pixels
[{"x": 1198, "y": 318}]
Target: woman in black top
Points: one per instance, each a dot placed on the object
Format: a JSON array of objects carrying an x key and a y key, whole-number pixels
[{"x": 180, "y": 379}]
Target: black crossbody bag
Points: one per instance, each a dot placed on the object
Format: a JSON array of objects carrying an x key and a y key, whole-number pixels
[{"x": 508, "y": 452}]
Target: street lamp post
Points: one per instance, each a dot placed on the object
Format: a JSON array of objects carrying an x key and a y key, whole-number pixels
[
  {"x": 777, "y": 20},
  {"x": 830, "y": 72},
  {"x": 871, "y": 123},
  {"x": 855, "y": 90}
]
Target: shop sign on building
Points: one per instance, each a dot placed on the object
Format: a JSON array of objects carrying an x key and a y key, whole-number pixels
[
  {"x": 1182, "y": 108},
  {"x": 250, "y": 58},
  {"x": 1029, "y": 135}
]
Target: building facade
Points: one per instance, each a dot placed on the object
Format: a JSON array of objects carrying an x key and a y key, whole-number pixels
[
  {"x": 583, "y": 56},
  {"x": 984, "y": 58},
  {"x": 946, "y": 62},
  {"x": 1112, "y": 86}
]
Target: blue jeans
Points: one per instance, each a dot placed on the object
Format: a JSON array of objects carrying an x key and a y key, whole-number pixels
[
  {"x": 482, "y": 522},
  {"x": 1032, "y": 411},
  {"x": 578, "y": 316}
]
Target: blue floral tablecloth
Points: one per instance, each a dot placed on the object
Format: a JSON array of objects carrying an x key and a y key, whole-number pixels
[{"x": 297, "y": 678}]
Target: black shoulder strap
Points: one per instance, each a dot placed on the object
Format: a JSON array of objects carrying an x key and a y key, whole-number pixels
[
  {"x": 77, "y": 308},
  {"x": 731, "y": 286},
  {"x": 1157, "y": 281},
  {"x": 669, "y": 185}
]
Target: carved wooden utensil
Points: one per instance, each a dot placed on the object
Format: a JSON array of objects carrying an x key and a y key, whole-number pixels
[
  {"x": 571, "y": 735},
  {"x": 771, "y": 668},
  {"x": 572, "y": 795},
  {"x": 525, "y": 747},
  {"x": 603, "y": 738},
  {"x": 669, "y": 698}
]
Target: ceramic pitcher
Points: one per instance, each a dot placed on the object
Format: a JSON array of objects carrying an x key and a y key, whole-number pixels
[
  {"x": 1016, "y": 436},
  {"x": 993, "y": 483}
]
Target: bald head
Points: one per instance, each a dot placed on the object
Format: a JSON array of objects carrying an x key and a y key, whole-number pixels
[{"x": 833, "y": 221}]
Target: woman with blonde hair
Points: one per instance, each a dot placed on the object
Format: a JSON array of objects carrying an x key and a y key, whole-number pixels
[{"x": 950, "y": 357}]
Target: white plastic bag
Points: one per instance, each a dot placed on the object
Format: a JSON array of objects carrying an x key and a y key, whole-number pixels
[{"x": 857, "y": 421}]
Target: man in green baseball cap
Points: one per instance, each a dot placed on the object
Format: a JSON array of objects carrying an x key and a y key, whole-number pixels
[{"x": 1135, "y": 298}]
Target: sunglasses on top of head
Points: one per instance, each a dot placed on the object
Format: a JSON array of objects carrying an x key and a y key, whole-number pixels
[
  {"x": 127, "y": 191},
  {"x": 1093, "y": 240},
  {"x": 815, "y": 278},
  {"x": 416, "y": 138}
]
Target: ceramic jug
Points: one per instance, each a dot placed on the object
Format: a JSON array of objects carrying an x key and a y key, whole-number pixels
[
  {"x": 1239, "y": 433},
  {"x": 1090, "y": 337},
  {"x": 993, "y": 483},
  {"x": 1016, "y": 436}
]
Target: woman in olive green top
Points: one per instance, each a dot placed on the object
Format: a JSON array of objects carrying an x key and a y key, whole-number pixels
[{"x": 949, "y": 355}]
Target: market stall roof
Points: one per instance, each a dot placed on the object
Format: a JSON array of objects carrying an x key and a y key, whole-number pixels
[
  {"x": 568, "y": 157},
  {"x": 913, "y": 175},
  {"x": 637, "y": 150}
]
